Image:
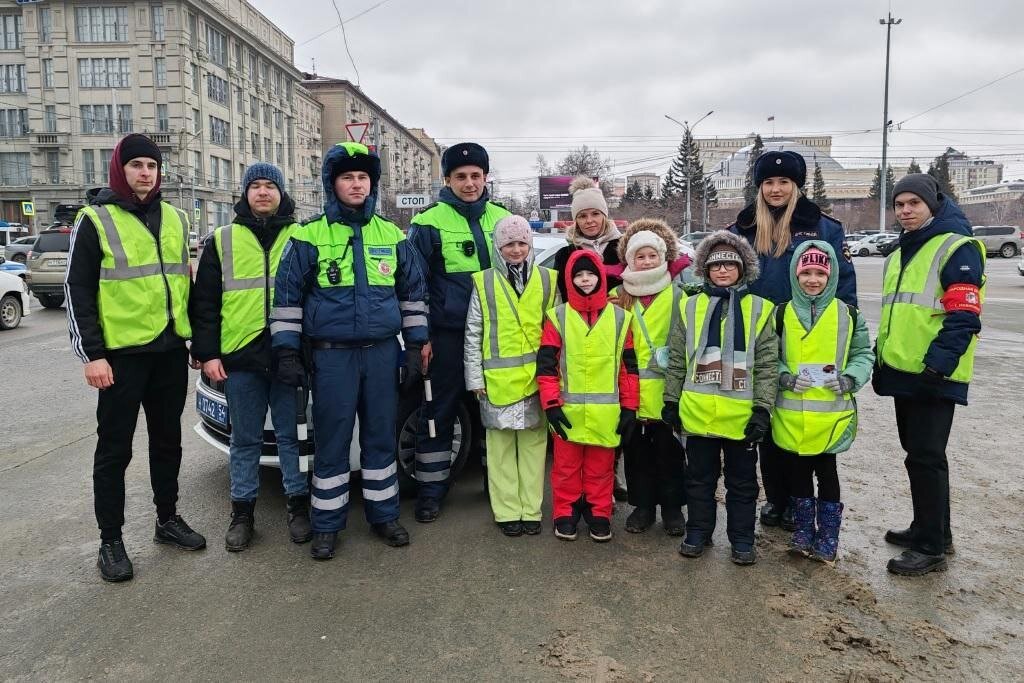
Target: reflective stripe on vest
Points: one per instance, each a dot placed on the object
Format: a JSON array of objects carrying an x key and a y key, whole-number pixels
[
  {"x": 248, "y": 289},
  {"x": 589, "y": 380},
  {"x": 143, "y": 283},
  {"x": 511, "y": 330},
  {"x": 651, "y": 329},
  {"x": 707, "y": 409},
  {"x": 814, "y": 421},
  {"x": 912, "y": 310},
  {"x": 456, "y": 235}
]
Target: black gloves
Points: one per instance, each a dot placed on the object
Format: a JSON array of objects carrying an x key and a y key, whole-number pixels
[
  {"x": 290, "y": 370},
  {"x": 757, "y": 426},
  {"x": 931, "y": 382},
  {"x": 413, "y": 366},
  {"x": 670, "y": 416},
  {"x": 627, "y": 420},
  {"x": 557, "y": 420}
]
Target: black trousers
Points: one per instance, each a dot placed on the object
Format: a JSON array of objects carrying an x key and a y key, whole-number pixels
[
  {"x": 704, "y": 467},
  {"x": 158, "y": 382},
  {"x": 924, "y": 426},
  {"x": 655, "y": 466},
  {"x": 775, "y": 474},
  {"x": 804, "y": 468}
]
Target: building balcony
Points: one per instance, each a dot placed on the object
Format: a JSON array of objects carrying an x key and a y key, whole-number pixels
[{"x": 60, "y": 140}]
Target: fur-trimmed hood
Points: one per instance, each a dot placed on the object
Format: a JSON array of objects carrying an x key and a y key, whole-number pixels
[
  {"x": 751, "y": 268},
  {"x": 659, "y": 228}
]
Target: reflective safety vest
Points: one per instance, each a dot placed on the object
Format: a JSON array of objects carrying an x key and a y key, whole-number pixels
[
  {"x": 651, "y": 328},
  {"x": 458, "y": 249},
  {"x": 340, "y": 265},
  {"x": 912, "y": 310},
  {"x": 143, "y": 284},
  {"x": 708, "y": 409},
  {"x": 588, "y": 369},
  {"x": 511, "y": 332},
  {"x": 247, "y": 280},
  {"x": 813, "y": 422}
]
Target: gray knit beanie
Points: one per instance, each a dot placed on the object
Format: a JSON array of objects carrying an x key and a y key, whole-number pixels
[{"x": 921, "y": 184}]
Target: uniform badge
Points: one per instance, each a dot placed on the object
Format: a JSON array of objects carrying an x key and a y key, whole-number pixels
[
  {"x": 846, "y": 254},
  {"x": 384, "y": 268}
]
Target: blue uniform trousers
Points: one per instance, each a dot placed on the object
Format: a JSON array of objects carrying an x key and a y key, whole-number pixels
[{"x": 346, "y": 383}]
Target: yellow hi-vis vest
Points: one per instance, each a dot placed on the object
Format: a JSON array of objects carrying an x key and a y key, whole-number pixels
[
  {"x": 247, "y": 281},
  {"x": 511, "y": 332},
  {"x": 588, "y": 369},
  {"x": 457, "y": 237},
  {"x": 651, "y": 328},
  {"x": 813, "y": 422},
  {"x": 143, "y": 285},
  {"x": 708, "y": 409},
  {"x": 912, "y": 312}
]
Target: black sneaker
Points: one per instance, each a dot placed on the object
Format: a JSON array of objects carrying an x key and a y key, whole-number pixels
[
  {"x": 600, "y": 529},
  {"x": 744, "y": 555},
  {"x": 531, "y": 528},
  {"x": 565, "y": 528},
  {"x": 393, "y": 533},
  {"x": 113, "y": 562},
  {"x": 322, "y": 547},
  {"x": 179, "y": 534},
  {"x": 514, "y": 528},
  {"x": 693, "y": 545},
  {"x": 913, "y": 563},
  {"x": 640, "y": 520},
  {"x": 427, "y": 510}
]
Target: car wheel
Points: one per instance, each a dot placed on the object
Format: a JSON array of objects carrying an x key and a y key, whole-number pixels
[
  {"x": 51, "y": 300},
  {"x": 863, "y": 252},
  {"x": 1008, "y": 250},
  {"x": 18, "y": 258},
  {"x": 408, "y": 420},
  {"x": 10, "y": 312}
]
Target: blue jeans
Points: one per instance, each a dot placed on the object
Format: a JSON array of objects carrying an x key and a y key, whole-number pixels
[{"x": 249, "y": 394}]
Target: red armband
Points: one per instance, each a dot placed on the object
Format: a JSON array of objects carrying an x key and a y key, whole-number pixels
[{"x": 962, "y": 297}]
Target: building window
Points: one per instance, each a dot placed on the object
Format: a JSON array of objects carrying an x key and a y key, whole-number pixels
[
  {"x": 214, "y": 171},
  {"x": 159, "y": 25},
  {"x": 13, "y": 123},
  {"x": 47, "y": 73},
  {"x": 280, "y": 154},
  {"x": 254, "y": 142},
  {"x": 101, "y": 24},
  {"x": 277, "y": 119},
  {"x": 253, "y": 61},
  {"x": 11, "y": 28},
  {"x": 241, "y": 139},
  {"x": 195, "y": 78},
  {"x": 89, "y": 166},
  {"x": 105, "y": 156},
  {"x": 197, "y": 165},
  {"x": 197, "y": 126},
  {"x": 219, "y": 131},
  {"x": 97, "y": 118},
  {"x": 53, "y": 167},
  {"x": 104, "y": 73},
  {"x": 49, "y": 118},
  {"x": 45, "y": 25},
  {"x": 163, "y": 124},
  {"x": 124, "y": 118},
  {"x": 160, "y": 72},
  {"x": 263, "y": 73},
  {"x": 254, "y": 110},
  {"x": 238, "y": 57},
  {"x": 12, "y": 78},
  {"x": 14, "y": 168},
  {"x": 216, "y": 89},
  {"x": 217, "y": 46},
  {"x": 266, "y": 149},
  {"x": 239, "y": 100}
]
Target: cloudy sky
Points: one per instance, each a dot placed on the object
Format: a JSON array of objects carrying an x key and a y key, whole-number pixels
[{"x": 543, "y": 76}]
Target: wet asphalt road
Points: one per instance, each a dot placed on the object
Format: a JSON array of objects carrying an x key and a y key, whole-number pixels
[{"x": 462, "y": 602}]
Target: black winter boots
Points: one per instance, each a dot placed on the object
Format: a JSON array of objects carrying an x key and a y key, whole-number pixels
[
  {"x": 242, "y": 526},
  {"x": 299, "y": 528}
]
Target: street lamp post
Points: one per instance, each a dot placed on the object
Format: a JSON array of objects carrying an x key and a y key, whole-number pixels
[
  {"x": 707, "y": 178},
  {"x": 883, "y": 177},
  {"x": 687, "y": 132}
]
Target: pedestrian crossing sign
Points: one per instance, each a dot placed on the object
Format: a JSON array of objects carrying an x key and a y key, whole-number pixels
[{"x": 28, "y": 209}]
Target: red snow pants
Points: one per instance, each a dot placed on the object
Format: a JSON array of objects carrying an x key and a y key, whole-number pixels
[{"x": 581, "y": 470}]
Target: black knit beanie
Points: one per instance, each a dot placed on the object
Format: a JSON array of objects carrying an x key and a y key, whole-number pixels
[
  {"x": 921, "y": 184},
  {"x": 135, "y": 145}
]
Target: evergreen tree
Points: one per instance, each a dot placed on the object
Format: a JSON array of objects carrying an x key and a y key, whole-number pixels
[
  {"x": 876, "y": 184},
  {"x": 914, "y": 167},
  {"x": 688, "y": 164},
  {"x": 749, "y": 189},
  {"x": 939, "y": 169},
  {"x": 633, "y": 193},
  {"x": 818, "y": 193},
  {"x": 648, "y": 193}
]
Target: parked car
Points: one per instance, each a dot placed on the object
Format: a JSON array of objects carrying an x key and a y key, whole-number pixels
[
  {"x": 870, "y": 244},
  {"x": 193, "y": 244},
  {"x": 1005, "y": 240},
  {"x": 47, "y": 266},
  {"x": 886, "y": 248},
  {"x": 694, "y": 238},
  {"x": 14, "y": 301},
  {"x": 14, "y": 268},
  {"x": 19, "y": 248}
]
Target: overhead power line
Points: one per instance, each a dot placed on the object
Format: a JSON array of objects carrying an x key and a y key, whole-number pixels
[{"x": 961, "y": 96}]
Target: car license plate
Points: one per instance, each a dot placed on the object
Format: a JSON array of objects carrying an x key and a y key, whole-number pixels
[
  {"x": 215, "y": 410},
  {"x": 56, "y": 261}
]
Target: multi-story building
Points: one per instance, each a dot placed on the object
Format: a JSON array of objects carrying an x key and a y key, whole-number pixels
[
  {"x": 410, "y": 162},
  {"x": 645, "y": 181},
  {"x": 211, "y": 81},
  {"x": 967, "y": 173},
  {"x": 308, "y": 188}
]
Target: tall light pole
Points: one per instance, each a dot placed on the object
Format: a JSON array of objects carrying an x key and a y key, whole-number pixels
[
  {"x": 687, "y": 130},
  {"x": 884, "y": 175}
]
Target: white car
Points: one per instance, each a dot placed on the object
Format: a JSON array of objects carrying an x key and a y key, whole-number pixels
[
  {"x": 870, "y": 244},
  {"x": 14, "y": 301}
]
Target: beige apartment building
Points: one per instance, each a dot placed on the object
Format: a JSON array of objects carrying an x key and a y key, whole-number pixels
[{"x": 212, "y": 82}]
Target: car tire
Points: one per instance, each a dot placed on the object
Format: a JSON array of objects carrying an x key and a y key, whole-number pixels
[
  {"x": 405, "y": 439},
  {"x": 1008, "y": 250},
  {"x": 51, "y": 300},
  {"x": 18, "y": 258},
  {"x": 863, "y": 252},
  {"x": 10, "y": 312}
]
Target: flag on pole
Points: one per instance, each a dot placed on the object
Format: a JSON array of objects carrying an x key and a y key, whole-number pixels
[{"x": 771, "y": 118}]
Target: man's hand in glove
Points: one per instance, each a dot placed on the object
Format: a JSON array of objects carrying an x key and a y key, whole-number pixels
[
  {"x": 757, "y": 426},
  {"x": 627, "y": 421},
  {"x": 558, "y": 422},
  {"x": 670, "y": 416},
  {"x": 290, "y": 370},
  {"x": 797, "y": 383},
  {"x": 840, "y": 384}
]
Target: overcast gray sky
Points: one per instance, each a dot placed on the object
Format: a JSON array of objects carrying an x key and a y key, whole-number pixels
[{"x": 541, "y": 76}]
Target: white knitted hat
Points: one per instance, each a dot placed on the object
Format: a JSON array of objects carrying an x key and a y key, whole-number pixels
[
  {"x": 641, "y": 239},
  {"x": 586, "y": 195}
]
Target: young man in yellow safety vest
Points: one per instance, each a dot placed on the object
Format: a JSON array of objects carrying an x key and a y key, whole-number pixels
[
  {"x": 230, "y": 311},
  {"x": 933, "y": 287},
  {"x": 127, "y": 291}
]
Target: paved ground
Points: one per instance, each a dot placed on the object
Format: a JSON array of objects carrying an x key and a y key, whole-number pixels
[{"x": 462, "y": 602}]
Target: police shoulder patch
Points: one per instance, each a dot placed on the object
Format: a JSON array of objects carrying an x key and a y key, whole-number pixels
[
  {"x": 314, "y": 219},
  {"x": 846, "y": 253}
]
